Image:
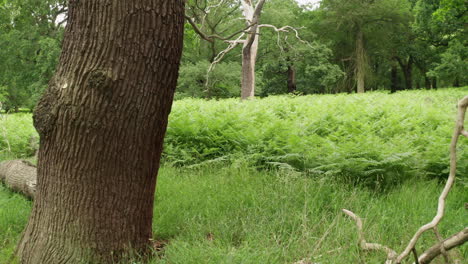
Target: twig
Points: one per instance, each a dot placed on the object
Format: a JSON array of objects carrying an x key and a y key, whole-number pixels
[
  {"x": 441, "y": 241},
  {"x": 391, "y": 254},
  {"x": 455, "y": 240},
  {"x": 220, "y": 56},
  {"x": 462, "y": 105}
]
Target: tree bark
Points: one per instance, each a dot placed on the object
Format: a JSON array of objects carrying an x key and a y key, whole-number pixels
[
  {"x": 19, "y": 176},
  {"x": 250, "y": 47},
  {"x": 394, "y": 78},
  {"x": 249, "y": 58},
  {"x": 455, "y": 240},
  {"x": 101, "y": 122},
  {"x": 291, "y": 79},
  {"x": 360, "y": 62}
]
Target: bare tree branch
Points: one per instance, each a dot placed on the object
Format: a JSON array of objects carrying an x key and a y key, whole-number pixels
[
  {"x": 286, "y": 29},
  {"x": 442, "y": 245},
  {"x": 462, "y": 105},
  {"x": 464, "y": 133},
  {"x": 211, "y": 38},
  {"x": 391, "y": 254},
  {"x": 441, "y": 241},
  {"x": 220, "y": 56},
  {"x": 253, "y": 21},
  {"x": 455, "y": 240}
]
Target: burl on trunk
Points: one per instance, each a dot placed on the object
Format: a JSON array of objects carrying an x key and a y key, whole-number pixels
[{"x": 102, "y": 121}]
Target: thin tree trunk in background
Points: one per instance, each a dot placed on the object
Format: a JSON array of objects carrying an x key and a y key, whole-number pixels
[
  {"x": 423, "y": 70},
  {"x": 409, "y": 76},
  {"x": 407, "y": 69},
  {"x": 102, "y": 121},
  {"x": 250, "y": 46},
  {"x": 394, "y": 78},
  {"x": 456, "y": 83},
  {"x": 249, "y": 58},
  {"x": 360, "y": 62},
  {"x": 291, "y": 79},
  {"x": 213, "y": 51},
  {"x": 434, "y": 83},
  {"x": 427, "y": 82}
]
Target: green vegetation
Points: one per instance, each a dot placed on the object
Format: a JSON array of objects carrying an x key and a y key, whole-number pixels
[
  {"x": 16, "y": 133},
  {"x": 387, "y": 44},
  {"x": 263, "y": 181},
  {"x": 375, "y": 139},
  {"x": 270, "y": 217}
]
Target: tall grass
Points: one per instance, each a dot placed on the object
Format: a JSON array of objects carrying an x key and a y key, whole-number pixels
[
  {"x": 16, "y": 131},
  {"x": 261, "y": 181},
  {"x": 240, "y": 215}
]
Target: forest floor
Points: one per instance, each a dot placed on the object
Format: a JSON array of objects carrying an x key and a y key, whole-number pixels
[{"x": 238, "y": 213}]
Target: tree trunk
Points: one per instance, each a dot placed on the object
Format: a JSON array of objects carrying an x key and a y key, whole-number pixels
[
  {"x": 434, "y": 83},
  {"x": 250, "y": 47},
  {"x": 394, "y": 78},
  {"x": 407, "y": 69},
  {"x": 360, "y": 62},
  {"x": 408, "y": 73},
  {"x": 101, "y": 122},
  {"x": 291, "y": 79},
  {"x": 249, "y": 58},
  {"x": 456, "y": 83},
  {"x": 427, "y": 82}
]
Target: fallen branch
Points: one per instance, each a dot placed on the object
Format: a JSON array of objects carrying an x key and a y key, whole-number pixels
[
  {"x": 442, "y": 246},
  {"x": 391, "y": 254},
  {"x": 462, "y": 105},
  {"x": 454, "y": 241},
  {"x": 19, "y": 176}
]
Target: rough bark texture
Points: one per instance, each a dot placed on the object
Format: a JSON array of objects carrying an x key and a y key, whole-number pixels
[
  {"x": 20, "y": 176},
  {"x": 102, "y": 121},
  {"x": 360, "y": 62}
]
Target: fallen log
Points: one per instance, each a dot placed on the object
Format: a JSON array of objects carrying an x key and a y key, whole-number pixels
[{"x": 19, "y": 176}]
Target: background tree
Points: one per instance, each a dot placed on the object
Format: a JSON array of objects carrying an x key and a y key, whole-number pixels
[
  {"x": 351, "y": 24},
  {"x": 101, "y": 122},
  {"x": 30, "y": 40}
]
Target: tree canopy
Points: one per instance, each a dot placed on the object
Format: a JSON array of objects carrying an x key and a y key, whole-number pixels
[{"x": 336, "y": 46}]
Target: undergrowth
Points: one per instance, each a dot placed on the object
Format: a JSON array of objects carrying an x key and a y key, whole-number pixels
[
  {"x": 263, "y": 181},
  {"x": 375, "y": 139},
  {"x": 239, "y": 215}
]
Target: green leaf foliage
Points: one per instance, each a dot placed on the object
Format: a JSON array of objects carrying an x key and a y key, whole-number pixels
[{"x": 376, "y": 139}]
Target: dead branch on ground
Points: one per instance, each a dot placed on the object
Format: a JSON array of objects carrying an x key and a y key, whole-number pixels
[{"x": 442, "y": 246}]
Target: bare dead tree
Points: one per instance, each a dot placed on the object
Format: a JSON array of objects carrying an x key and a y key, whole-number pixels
[
  {"x": 248, "y": 37},
  {"x": 442, "y": 245}
]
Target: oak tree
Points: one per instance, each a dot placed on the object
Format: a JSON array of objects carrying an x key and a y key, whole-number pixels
[{"x": 101, "y": 123}]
